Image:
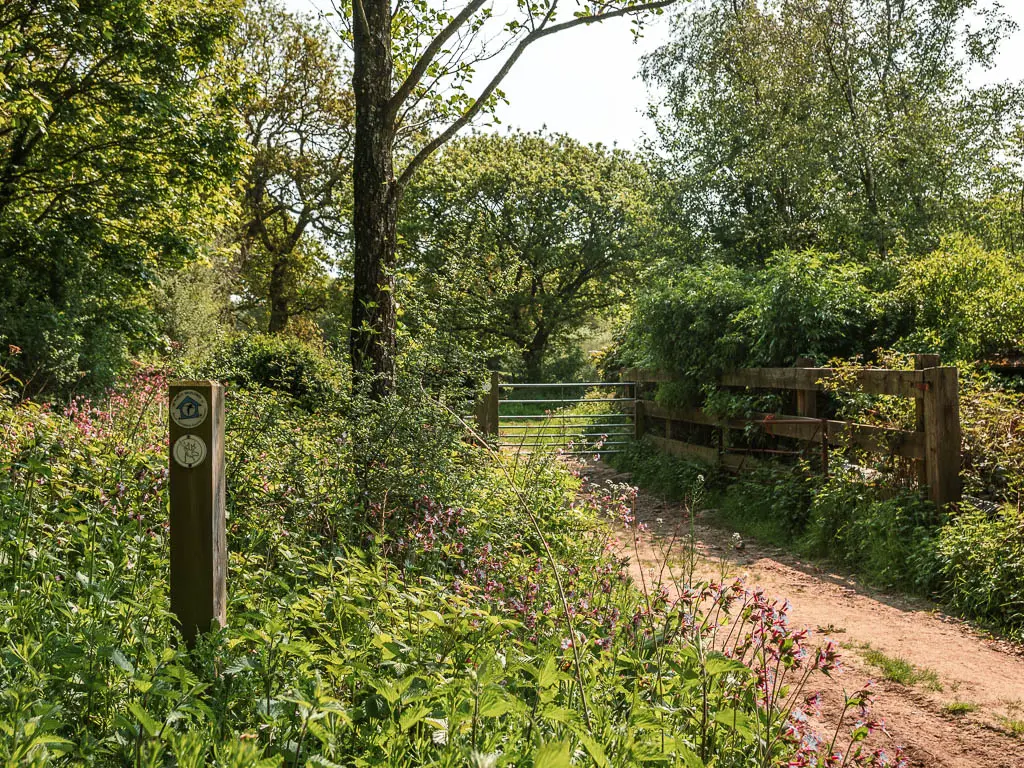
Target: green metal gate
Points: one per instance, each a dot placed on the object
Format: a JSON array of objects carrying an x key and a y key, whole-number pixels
[{"x": 573, "y": 418}]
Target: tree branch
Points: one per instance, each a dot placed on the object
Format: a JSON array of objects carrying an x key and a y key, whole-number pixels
[
  {"x": 542, "y": 31},
  {"x": 428, "y": 56}
]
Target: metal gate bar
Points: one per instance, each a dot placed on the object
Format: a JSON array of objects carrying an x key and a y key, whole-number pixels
[{"x": 607, "y": 432}]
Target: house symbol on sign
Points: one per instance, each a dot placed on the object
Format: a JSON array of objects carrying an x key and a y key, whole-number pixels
[{"x": 189, "y": 408}]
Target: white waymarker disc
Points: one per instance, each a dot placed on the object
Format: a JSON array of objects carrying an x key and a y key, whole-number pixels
[
  {"x": 189, "y": 451},
  {"x": 189, "y": 408}
]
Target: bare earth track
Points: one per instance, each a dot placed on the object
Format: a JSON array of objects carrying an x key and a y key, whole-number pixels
[{"x": 971, "y": 668}]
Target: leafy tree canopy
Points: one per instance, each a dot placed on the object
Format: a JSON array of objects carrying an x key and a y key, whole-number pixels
[
  {"x": 841, "y": 124},
  {"x": 113, "y": 156},
  {"x": 295, "y": 102},
  {"x": 518, "y": 241}
]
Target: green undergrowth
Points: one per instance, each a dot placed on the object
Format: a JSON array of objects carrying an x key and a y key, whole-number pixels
[
  {"x": 398, "y": 596},
  {"x": 971, "y": 559}
]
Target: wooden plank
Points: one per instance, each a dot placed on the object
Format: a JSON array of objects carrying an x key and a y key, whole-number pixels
[
  {"x": 197, "y": 497},
  {"x": 882, "y": 440},
  {"x": 639, "y": 420},
  {"x": 688, "y": 415},
  {"x": 942, "y": 435},
  {"x": 685, "y": 450},
  {"x": 874, "y": 381},
  {"x": 646, "y": 375}
]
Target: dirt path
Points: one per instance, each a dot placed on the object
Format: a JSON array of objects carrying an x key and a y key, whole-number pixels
[{"x": 968, "y": 668}]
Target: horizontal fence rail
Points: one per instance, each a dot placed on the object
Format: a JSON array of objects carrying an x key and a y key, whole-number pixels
[{"x": 934, "y": 444}]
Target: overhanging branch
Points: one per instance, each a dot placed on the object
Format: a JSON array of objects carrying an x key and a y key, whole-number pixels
[
  {"x": 428, "y": 56},
  {"x": 542, "y": 31}
]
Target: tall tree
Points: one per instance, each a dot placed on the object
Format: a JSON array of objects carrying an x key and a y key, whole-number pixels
[
  {"x": 847, "y": 124},
  {"x": 114, "y": 156},
  {"x": 296, "y": 104},
  {"x": 412, "y": 65},
  {"x": 519, "y": 241}
]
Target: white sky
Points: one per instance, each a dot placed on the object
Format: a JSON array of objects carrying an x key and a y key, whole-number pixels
[{"x": 584, "y": 82}]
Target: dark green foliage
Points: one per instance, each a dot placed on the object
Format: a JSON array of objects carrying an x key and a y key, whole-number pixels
[
  {"x": 808, "y": 303},
  {"x": 663, "y": 474},
  {"x": 113, "y": 158},
  {"x": 980, "y": 555},
  {"x": 690, "y": 322},
  {"x": 283, "y": 363},
  {"x": 886, "y": 535},
  {"x": 514, "y": 244},
  {"x": 961, "y": 301},
  {"x": 712, "y": 317}
]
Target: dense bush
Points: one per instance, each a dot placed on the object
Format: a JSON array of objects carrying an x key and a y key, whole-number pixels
[
  {"x": 714, "y": 317},
  {"x": 808, "y": 303},
  {"x": 981, "y": 558},
  {"x": 286, "y": 364},
  {"x": 888, "y": 536},
  {"x": 690, "y": 323},
  {"x": 961, "y": 300}
]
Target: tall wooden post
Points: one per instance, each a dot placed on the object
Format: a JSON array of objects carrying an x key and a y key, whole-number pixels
[
  {"x": 942, "y": 435},
  {"x": 639, "y": 417},
  {"x": 806, "y": 399},
  {"x": 487, "y": 407},
  {"x": 197, "y": 488},
  {"x": 921, "y": 362}
]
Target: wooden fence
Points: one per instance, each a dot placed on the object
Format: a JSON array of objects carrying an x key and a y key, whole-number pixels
[{"x": 934, "y": 444}]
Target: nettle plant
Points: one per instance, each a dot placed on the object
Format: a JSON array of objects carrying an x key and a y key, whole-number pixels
[{"x": 494, "y": 626}]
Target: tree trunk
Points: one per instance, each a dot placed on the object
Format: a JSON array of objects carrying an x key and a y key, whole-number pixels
[
  {"x": 278, "y": 295},
  {"x": 372, "y": 345},
  {"x": 533, "y": 355}
]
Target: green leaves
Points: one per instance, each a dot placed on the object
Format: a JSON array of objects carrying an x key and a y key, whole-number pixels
[
  {"x": 554, "y": 754},
  {"x": 789, "y": 125},
  {"x": 114, "y": 160},
  {"x": 332, "y": 655},
  {"x": 517, "y": 242}
]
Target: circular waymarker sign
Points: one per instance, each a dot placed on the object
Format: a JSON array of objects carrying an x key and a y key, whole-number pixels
[
  {"x": 189, "y": 451},
  {"x": 189, "y": 408}
]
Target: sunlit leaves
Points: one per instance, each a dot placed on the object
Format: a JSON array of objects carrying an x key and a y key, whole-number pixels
[{"x": 520, "y": 241}]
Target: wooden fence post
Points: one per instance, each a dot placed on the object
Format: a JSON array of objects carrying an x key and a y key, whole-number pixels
[
  {"x": 942, "y": 435},
  {"x": 487, "y": 407},
  {"x": 806, "y": 399},
  {"x": 922, "y": 361},
  {"x": 492, "y": 402},
  {"x": 639, "y": 416},
  {"x": 197, "y": 487},
  {"x": 807, "y": 405}
]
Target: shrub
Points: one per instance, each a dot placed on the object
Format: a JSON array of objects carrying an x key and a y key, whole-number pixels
[
  {"x": 808, "y": 303},
  {"x": 981, "y": 557},
  {"x": 710, "y": 318},
  {"x": 965, "y": 302},
  {"x": 305, "y": 373},
  {"x": 689, "y": 323},
  {"x": 885, "y": 535}
]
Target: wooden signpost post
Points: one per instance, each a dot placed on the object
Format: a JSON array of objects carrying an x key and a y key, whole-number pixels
[{"x": 198, "y": 543}]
